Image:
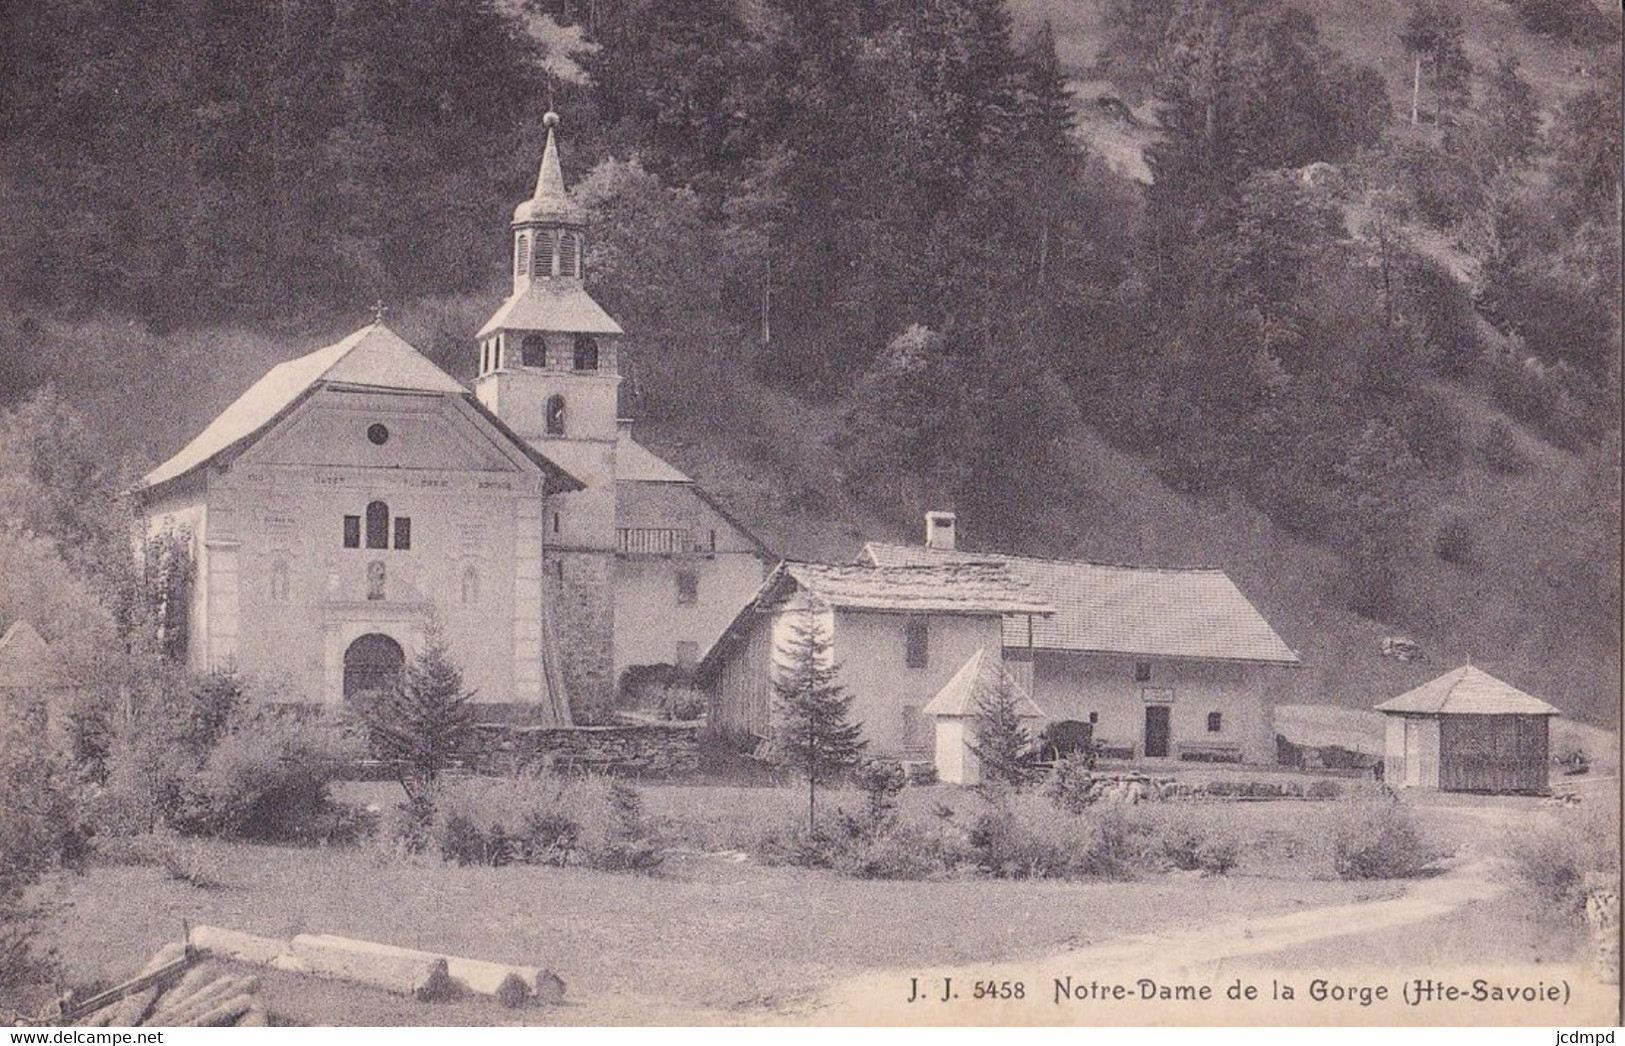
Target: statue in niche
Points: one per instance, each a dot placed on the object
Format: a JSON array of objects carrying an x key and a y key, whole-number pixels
[{"x": 375, "y": 579}]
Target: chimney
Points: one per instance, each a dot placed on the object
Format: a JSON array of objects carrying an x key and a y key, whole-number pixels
[{"x": 939, "y": 531}]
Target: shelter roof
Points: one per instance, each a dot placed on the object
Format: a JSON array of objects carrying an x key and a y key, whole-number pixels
[
  {"x": 27, "y": 662},
  {"x": 977, "y": 682},
  {"x": 1467, "y": 691},
  {"x": 954, "y": 588}
]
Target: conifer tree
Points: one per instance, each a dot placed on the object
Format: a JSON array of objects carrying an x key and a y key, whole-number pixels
[
  {"x": 1003, "y": 745},
  {"x": 425, "y": 721},
  {"x": 814, "y": 735}
]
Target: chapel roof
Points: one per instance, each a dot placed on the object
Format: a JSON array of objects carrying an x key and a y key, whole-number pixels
[{"x": 373, "y": 357}]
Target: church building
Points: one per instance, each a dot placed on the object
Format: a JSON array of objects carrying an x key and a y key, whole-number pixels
[{"x": 355, "y": 497}]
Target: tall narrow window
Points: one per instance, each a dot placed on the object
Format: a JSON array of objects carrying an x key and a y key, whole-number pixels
[
  {"x": 377, "y": 525},
  {"x": 521, "y": 261},
  {"x": 688, "y": 587},
  {"x": 1215, "y": 722},
  {"x": 555, "y": 415},
  {"x": 403, "y": 532},
  {"x": 533, "y": 351},
  {"x": 917, "y": 643},
  {"x": 542, "y": 260},
  {"x": 352, "y": 531},
  {"x": 570, "y": 254},
  {"x": 586, "y": 352}
]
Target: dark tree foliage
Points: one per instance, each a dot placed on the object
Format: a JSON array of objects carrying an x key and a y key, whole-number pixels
[
  {"x": 1003, "y": 744},
  {"x": 424, "y": 723},
  {"x": 815, "y": 737}
]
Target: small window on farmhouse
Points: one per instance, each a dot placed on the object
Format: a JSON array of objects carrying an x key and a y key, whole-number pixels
[
  {"x": 555, "y": 415},
  {"x": 1094, "y": 717},
  {"x": 917, "y": 643},
  {"x": 688, "y": 587},
  {"x": 1142, "y": 671},
  {"x": 377, "y": 525},
  {"x": 911, "y": 726},
  {"x": 586, "y": 355},
  {"x": 1215, "y": 722},
  {"x": 403, "y": 532},
  {"x": 352, "y": 531},
  {"x": 533, "y": 351}
]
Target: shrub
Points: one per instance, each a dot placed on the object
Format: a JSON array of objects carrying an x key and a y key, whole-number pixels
[
  {"x": 881, "y": 780},
  {"x": 1070, "y": 783},
  {"x": 1025, "y": 839},
  {"x": 796, "y": 844},
  {"x": 40, "y": 829},
  {"x": 269, "y": 779},
  {"x": 543, "y": 818},
  {"x": 185, "y": 860},
  {"x": 901, "y": 849},
  {"x": 1380, "y": 840},
  {"x": 1552, "y": 860},
  {"x": 425, "y": 722},
  {"x": 1196, "y": 843}
]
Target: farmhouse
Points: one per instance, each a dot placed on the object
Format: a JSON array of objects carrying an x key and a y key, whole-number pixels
[
  {"x": 355, "y": 495},
  {"x": 1467, "y": 731},
  {"x": 1163, "y": 664},
  {"x": 898, "y": 634}
]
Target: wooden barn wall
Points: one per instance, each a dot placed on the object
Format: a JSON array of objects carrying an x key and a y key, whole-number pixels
[{"x": 1492, "y": 753}]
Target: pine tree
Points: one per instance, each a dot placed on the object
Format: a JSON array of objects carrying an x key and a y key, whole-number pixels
[
  {"x": 814, "y": 734},
  {"x": 425, "y": 721},
  {"x": 1003, "y": 744}
]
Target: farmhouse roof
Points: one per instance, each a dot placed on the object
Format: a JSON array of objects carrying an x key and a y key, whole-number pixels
[
  {"x": 1100, "y": 608},
  {"x": 373, "y": 357},
  {"x": 978, "y": 681},
  {"x": 947, "y": 588},
  {"x": 26, "y": 660},
  {"x": 551, "y": 305},
  {"x": 1467, "y": 691}
]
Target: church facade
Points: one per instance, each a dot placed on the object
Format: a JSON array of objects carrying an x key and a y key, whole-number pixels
[{"x": 357, "y": 497}]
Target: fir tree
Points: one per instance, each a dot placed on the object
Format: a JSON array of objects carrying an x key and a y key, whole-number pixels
[
  {"x": 1003, "y": 744},
  {"x": 425, "y": 721},
  {"x": 814, "y": 734}
]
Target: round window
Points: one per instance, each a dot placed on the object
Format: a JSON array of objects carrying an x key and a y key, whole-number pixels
[{"x": 378, "y": 433}]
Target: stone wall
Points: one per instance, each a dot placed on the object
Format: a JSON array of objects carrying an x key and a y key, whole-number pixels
[
  {"x": 643, "y": 751},
  {"x": 585, "y": 622}
]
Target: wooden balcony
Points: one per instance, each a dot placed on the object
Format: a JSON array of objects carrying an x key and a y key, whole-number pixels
[{"x": 660, "y": 541}]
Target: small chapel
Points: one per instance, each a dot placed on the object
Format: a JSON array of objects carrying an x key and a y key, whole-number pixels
[{"x": 358, "y": 497}]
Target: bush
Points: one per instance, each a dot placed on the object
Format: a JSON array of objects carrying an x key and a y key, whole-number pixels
[
  {"x": 269, "y": 779},
  {"x": 593, "y": 822},
  {"x": 1070, "y": 783},
  {"x": 1553, "y": 860},
  {"x": 1026, "y": 838},
  {"x": 901, "y": 849},
  {"x": 881, "y": 781},
  {"x": 40, "y": 829},
  {"x": 1191, "y": 842},
  {"x": 1380, "y": 840}
]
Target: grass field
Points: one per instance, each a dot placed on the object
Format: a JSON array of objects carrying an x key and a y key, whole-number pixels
[{"x": 715, "y": 933}]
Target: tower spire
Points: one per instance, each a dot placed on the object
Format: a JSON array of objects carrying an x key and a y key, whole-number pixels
[{"x": 551, "y": 202}]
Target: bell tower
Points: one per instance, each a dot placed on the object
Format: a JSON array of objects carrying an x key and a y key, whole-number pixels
[{"x": 548, "y": 368}]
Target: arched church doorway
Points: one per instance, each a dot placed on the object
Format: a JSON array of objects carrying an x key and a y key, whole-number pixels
[{"x": 372, "y": 666}]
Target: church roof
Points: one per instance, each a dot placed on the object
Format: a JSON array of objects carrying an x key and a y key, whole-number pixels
[
  {"x": 552, "y": 305},
  {"x": 26, "y": 660},
  {"x": 1467, "y": 691},
  {"x": 1101, "y": 608},
  {"x": 635, "y": 463},
  {"x": 551, "y": 201},
  {"x": 978, "y": 681},
  {"x": 372, "y": 357}
]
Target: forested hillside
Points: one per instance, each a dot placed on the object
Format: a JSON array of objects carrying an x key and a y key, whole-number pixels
[{"x": 1326, "y": 294}]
